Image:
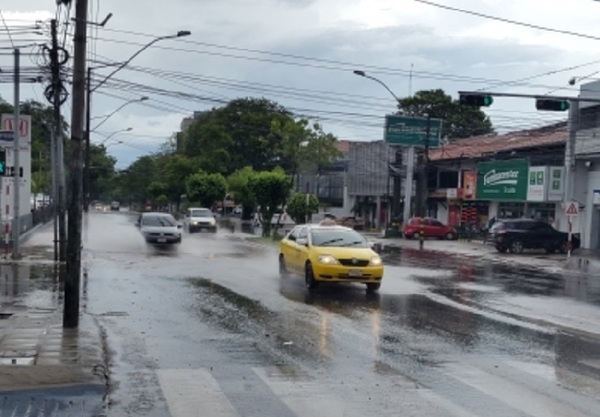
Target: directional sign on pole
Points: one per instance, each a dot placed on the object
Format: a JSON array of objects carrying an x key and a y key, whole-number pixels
[
  {"x": 412, "y": 131},
  {"x": 572, "y": 208}
]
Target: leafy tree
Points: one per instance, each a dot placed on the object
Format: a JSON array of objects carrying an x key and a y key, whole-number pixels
[
  {"x": 271, "y": 189},
  {"x": 157, "y": 189},
  {"x": 206, "y": 188},
  {"x": 137, "y": 178},
  {"x": 458, "y": 121},
  {"x": 174, "y": 170},
  {"x": 320, "y": 150},
  {"x": 238, "y": 185},
  {"x": 237, "y": 135},
  {"x": 297, "y": 208},
  {"x": 102, "y": 173}
]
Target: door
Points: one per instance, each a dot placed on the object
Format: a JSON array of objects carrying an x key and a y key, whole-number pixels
[
  {"x": 301, "y": 250},
  {"x": 289, "y": 250}
]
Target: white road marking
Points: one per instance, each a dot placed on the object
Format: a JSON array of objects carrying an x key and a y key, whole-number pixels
[
  {"x": 445, "y": 404},
  {"x": 303, "y": 396},
  {"x": 194, "y": 392},
  {"x": 513, "y": 394}
]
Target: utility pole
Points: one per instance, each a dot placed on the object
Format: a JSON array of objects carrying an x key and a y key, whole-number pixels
[
  {"x": 88, "y": 116},
  {"x": 72, "y": 281},
  {"x": 16, "y": 224},
  {"x": 58, "y": 161}
]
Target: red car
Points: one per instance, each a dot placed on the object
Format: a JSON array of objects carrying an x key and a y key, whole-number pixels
[{"x": 431, "y": 228}]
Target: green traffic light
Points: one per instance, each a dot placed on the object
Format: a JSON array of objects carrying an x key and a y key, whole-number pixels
[{"x": 487, "y": 101}]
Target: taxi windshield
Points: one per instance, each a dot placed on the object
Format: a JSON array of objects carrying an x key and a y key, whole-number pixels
[{"x": 337, "y": 237}]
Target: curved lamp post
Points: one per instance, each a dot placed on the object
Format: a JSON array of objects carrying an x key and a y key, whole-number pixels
[
  {"x": 86, "y": 179},
  {"x": 129, "y": 129},
  {"x": 410, "y": 167},
  {"x": 144, "y": 98}
]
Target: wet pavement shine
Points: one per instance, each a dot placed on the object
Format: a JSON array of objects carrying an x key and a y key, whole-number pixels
[{"x": 209, "y": 328}]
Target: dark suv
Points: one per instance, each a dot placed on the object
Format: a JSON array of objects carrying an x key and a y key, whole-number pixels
[{"x": 519, "y": 234}]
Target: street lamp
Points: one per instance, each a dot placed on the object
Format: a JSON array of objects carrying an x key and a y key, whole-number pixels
[
  {"x": 114, "y": 133},
  {"x": 86, "y": 182},
  {"x": 136, "y": 100},
  {"x": 397, "y": 160}
]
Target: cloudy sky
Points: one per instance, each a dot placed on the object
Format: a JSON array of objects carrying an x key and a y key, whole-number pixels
[{"x": 301, "y": 53}]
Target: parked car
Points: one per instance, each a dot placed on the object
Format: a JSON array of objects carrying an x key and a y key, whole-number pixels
[
  {"x": 520, "y": 234},
  {"x": 326, "y": 253},
  {"x": 198, "y": 219},
  {"x": 159, "y": 228},
  {"x": 430, "y": 228}
]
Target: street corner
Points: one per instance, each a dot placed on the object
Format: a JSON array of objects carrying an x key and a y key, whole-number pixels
[{"x": 37, "y": 354}]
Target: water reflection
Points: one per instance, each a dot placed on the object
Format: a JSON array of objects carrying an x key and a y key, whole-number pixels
[{"x": 507, "y": 277}]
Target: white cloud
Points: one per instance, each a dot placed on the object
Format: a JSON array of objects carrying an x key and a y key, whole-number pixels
[{"x": 446, "y": 50}]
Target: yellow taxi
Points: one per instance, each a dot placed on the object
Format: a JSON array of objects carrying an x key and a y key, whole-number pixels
[{"x": 329, "y": 253}]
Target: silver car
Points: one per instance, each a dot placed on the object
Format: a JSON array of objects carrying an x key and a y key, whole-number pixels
[
  {"x": 200, "y": 218},
  {"x": 160, "y": 228}
]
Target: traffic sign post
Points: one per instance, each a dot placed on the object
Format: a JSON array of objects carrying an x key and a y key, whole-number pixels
[
  {"x": 412, "y": 131},
  {"x": 571, "y": 210}
]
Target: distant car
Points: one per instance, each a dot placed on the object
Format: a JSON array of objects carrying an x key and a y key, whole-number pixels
[
  {"x": 516, "y": 235},
  {"x": 351, "y": 222},
  {"x": 159, "y": 228},
  {"x": 198, "y": 219},
  {"x": 115, "y": 206},
  {"x": 334, "y": 254},
  {"x": 429, "y": 227}
]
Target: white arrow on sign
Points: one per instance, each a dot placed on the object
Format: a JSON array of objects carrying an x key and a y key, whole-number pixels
[{"x": 23, "y": 126}]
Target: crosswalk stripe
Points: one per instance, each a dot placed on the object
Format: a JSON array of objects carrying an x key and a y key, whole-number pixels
[
  {"x": 446, "y": 404},
  {"x": 303, "y": 397},
  {"x": 517, "y": 396},
  {"x": 194, "y": 392}
]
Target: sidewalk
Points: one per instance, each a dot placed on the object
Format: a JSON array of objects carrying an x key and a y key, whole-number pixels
[{"x": 38, "y": 357}]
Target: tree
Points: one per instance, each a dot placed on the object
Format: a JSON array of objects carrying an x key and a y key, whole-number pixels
[
  {"x": 135, "y": 181},
  {"x": 158, "y": 191},
  {"x": 271, "y": 190},
  {"x": 237, "y": 135},
  {"x": 238, "y": 186},
  {"x": 102, "y": 173},
  {"x": 297, "y": 208},
  {"x": 206, "y": 188},
  {"x": 458, "y": 121},
  {"x": 320, "y": 150},
  {"x": 174, "y": 171}
]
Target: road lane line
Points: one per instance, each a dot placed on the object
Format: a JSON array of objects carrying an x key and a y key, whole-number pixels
[
  {"x": 194, "y": 392},
  {"x": 509, "y": 392},
  {"x": 446, "y": 404},
  {"x": 303, "y": 396}
]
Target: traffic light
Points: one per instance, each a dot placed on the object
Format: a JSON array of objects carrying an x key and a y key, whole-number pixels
[
  {"x": 479, "y": 100},
  {"x": 2, "y": 162},
  {"x": 552, "y": 105}
]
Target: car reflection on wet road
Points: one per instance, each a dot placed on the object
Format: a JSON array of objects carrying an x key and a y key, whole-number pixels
[{"x": 211, "y": 325}]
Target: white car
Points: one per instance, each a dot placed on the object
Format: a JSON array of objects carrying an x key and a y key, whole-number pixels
[
  {"x": 159, "y": 228},
  {"x": 198, "y": 219}
]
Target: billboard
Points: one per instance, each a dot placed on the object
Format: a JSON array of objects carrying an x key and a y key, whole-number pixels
[{"x": 503, "y": 180}]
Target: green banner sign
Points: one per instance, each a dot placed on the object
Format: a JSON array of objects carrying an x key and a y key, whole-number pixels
[
  {"x": 503, "y": 180},
  {"x": 412, "y": 131}
]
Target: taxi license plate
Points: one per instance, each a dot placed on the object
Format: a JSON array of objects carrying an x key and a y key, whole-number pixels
[
  {"x": 355, "y": 273},
  {"x": 161, "y": 240}
]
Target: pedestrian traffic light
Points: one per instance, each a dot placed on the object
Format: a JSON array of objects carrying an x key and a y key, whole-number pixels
[
  {"x": 479, "y": 100},
  {"x": 2, "y": 162},
  {"x": 552, "y": 105}
]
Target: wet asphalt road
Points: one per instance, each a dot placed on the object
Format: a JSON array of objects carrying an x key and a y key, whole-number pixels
[{"x": 210, "y": 329}]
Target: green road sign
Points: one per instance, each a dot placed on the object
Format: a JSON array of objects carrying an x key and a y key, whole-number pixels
[{"x": 412, "y": 131}]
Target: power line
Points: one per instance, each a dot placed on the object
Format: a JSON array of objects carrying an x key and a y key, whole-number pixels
[
  {"x": 7, "y": 29},
  {"x": 512, "y": 22}
]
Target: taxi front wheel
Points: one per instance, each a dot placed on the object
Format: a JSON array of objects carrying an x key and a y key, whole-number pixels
[
  {"x": 309, "y": 277},
  {"x": 373, "y": 287}
]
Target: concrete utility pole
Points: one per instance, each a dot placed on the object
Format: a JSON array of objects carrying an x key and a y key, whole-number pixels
[
  {"x": 88, "y": 114},
  {"x": 16, "y": 224},
  {"x": 72, "y": 281},
  {"x": 58, "y": 167}
]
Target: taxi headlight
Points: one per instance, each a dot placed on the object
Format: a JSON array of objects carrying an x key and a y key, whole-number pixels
[
  {"x": 328, "y": 259},
  {"x": 375, "y": 261}
]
